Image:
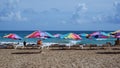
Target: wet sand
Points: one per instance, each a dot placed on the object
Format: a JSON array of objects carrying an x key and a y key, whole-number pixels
[{"x": 33, "y": 58}]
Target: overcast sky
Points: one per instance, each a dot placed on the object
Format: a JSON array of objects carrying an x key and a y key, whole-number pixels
[{"x": 59, "y": 14}]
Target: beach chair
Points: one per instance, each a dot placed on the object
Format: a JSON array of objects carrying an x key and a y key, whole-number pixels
[
  {"x": 81, "y": 46},
  {"x": 74, "y": 44},
  {"x": 46, "y": 45},
  {"x": 39, "y": 46},
  {"x": 71, "y": 43},
  {"x": 19, "y": 45}
]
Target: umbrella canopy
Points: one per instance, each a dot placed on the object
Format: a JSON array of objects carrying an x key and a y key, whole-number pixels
[
  {"x": 48, "y": 35},
  {"x": 117, "y": 36},
  {"x": 57, "y": 35},
  {"x": 117, "y": 31},
  {"x": 13, "y": 36},
  {"x": 71, "y": 36},
  {"x": 84, "y": 34},
  {"x": 100, "y": 35},
  {"x": 36, "y": 34},
  {"x": 40, "y": 34}
]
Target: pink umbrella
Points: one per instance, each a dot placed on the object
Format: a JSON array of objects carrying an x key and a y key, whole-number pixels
[
  {"x": 36, "y": 34},
  {"x": 13, "y": 36}
]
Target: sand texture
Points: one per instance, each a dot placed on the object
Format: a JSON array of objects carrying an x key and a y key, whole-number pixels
[{"x": 32, "y": 58}]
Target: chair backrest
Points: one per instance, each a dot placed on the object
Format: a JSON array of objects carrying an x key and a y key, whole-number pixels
[
  {"x": 20, "y": 44},
  {"x": 73, "y": 42}
]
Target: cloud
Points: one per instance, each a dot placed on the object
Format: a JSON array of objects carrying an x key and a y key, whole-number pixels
[
  {"x": 113, "y": 17},
  {"x": 53, "y": 15},
  {"x": 10, "y": 11},
  {"x": 51, "y": 11},
  {"x": 117, "y": 12},
  {"x": 79, "y": 15}
]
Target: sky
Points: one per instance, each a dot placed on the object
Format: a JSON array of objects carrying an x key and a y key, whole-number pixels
[{"x": 59, "y": 15}]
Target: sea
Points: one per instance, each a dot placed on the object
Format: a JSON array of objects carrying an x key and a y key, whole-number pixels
[{"x": 84, "y": 40}]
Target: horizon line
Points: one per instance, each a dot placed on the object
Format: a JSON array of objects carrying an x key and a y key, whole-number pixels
[{"x": 57, "y": 30}]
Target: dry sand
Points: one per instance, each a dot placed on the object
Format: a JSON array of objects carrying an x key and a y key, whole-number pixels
[{"x": 11, "y": 58}]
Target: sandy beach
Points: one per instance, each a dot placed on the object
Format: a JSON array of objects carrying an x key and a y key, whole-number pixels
[{"x": 32, "y": 58}]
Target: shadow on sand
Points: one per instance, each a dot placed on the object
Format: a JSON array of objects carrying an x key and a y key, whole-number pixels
[
  {"x": 108, "y": 52},
  {"x": 72, "y": 49},
  {"x": 27, "y": 52}
]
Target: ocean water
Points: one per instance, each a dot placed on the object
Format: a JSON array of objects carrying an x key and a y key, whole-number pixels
[{"x": 54, "y": 40}]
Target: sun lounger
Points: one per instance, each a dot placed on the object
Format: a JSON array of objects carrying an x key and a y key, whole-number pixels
[
  {"x": 19, "y": 45},
  {"x": 47, "y": 45},
  {"x": 81, "y": 46},
  {"x": 71, "y": 43}
]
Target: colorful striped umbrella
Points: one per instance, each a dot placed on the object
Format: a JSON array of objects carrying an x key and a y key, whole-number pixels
[
  {"x": 117, "y": 31},
  {"x": 71, "y": 36},
  {"x": 117, "y": 36},
  {"x": 39, "y": 34},
  {"x": 83, "y": 34},
  {"x": 57, "y": 35},
  {"x": 36, "y": 34},
  {"x": 48, "y": 35},
  {"x": 13, "y": 36},
  {"x": 99, "y": 35}
]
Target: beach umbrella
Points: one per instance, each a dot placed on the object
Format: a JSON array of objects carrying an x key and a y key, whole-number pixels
[
  {"x": 99, "y": 35},
  {"x": 13, "y": 36},
  {"x": 117, "y": 36},
  {"x": 63, "y": 36},
  {"x": 57, "y": 35},
  {"x": 105, "y": 34},
  {"x": 48, "y": 35},
  {"x": 115, "y": 32},
  {"x": 95, "y": 33},
  {"x": 37, "y": 34},
  {"x": 72, "y": 36},
  {"x": 84, "y": 34}
]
